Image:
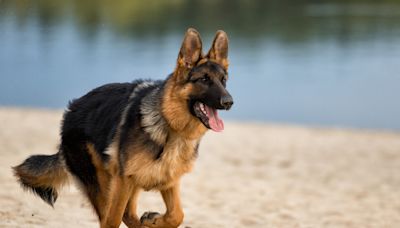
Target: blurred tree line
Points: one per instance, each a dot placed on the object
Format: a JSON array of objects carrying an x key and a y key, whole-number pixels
[{"x": 286, "y": 20}]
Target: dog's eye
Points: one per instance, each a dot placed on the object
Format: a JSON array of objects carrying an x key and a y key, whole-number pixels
[
  {"x": 205, "y": 78},
  {"x": 223, "y": 81}
]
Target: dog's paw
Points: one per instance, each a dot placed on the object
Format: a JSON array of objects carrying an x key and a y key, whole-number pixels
[{"x": 149, "y": 219}]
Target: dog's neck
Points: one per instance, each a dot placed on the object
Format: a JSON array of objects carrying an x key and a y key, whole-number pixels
[
  {"x": 162, "y": 111},
  {"x": 153, "y": 121}
]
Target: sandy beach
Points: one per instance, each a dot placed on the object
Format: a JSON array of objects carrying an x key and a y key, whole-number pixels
[{"x": 251, "y": 175}]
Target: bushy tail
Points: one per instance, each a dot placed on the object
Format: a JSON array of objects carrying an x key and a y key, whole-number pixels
[{"x": 43, "y": 175}]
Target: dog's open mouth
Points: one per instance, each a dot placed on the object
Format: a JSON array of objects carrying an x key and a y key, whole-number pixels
[{"x": 208, "y": 116}]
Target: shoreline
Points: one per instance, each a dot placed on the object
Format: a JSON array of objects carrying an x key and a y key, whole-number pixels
[{"x": 315, "y": 126}]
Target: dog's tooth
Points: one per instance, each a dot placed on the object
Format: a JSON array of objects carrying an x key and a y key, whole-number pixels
[{"x": 202, "y": 108}]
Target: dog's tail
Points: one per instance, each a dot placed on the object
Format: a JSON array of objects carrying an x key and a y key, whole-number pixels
[{"x": 43, "y": 175}]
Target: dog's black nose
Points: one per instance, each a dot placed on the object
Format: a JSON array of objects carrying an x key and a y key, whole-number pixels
[{"x": 227, "y": 101}]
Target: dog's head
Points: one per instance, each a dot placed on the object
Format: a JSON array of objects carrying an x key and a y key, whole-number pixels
[{"x": 202, "y": 78}]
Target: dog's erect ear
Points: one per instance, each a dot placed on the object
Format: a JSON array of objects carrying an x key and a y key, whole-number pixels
[
  {"x": 190, "y": 51},
  {"x": 219, "y": 49}
]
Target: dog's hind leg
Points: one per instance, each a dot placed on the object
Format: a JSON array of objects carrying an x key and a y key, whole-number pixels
[
  {"x": 98, "y": 194},
  {"x": 118, "y": 196}
]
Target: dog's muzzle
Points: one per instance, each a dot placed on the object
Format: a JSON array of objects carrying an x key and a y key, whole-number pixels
[{"x": 226, "y": 101}]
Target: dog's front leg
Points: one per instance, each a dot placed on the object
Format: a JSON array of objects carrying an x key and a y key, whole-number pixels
[
  {"x": 174, "y": 214},
  {"x": 130, "y": 218},
  {"x": 172, "y": 200}
]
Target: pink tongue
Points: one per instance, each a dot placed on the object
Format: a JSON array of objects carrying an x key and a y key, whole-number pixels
[{"x": 214, "y": 121}]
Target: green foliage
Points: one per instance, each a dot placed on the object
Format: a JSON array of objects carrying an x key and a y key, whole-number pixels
[{"x": 285, "y": 20}]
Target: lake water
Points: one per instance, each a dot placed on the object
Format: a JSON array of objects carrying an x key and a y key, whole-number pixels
[{"x": 332, "y": 64}]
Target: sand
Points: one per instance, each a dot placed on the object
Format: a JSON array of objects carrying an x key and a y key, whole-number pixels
[{"x": 251, "y": 175}]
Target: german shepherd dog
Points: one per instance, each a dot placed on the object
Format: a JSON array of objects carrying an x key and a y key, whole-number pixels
[{"x": 122, "y": 138}]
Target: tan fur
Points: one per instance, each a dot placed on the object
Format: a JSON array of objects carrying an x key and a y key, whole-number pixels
[
  {"x": 103, "y": 177},
  {"x": 142, "y": 171},
  {"x": 115, "y": 191},
  {"x": 174, "y": 214},
  {"x": 177, "y": 159},
  {"x": 177, "y": 113},
  {"x": 130, "y": 217},
  {"x": 118, "y": 195},
  {"x": 56, "y": 178}
]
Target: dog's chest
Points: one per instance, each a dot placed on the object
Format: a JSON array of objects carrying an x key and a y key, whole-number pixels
[
  {"x": 176, "y": 159},
  {"x": 178, "y": 154}
]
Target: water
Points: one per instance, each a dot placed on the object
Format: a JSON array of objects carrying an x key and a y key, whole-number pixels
[{"x": 332, "y": 64}]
